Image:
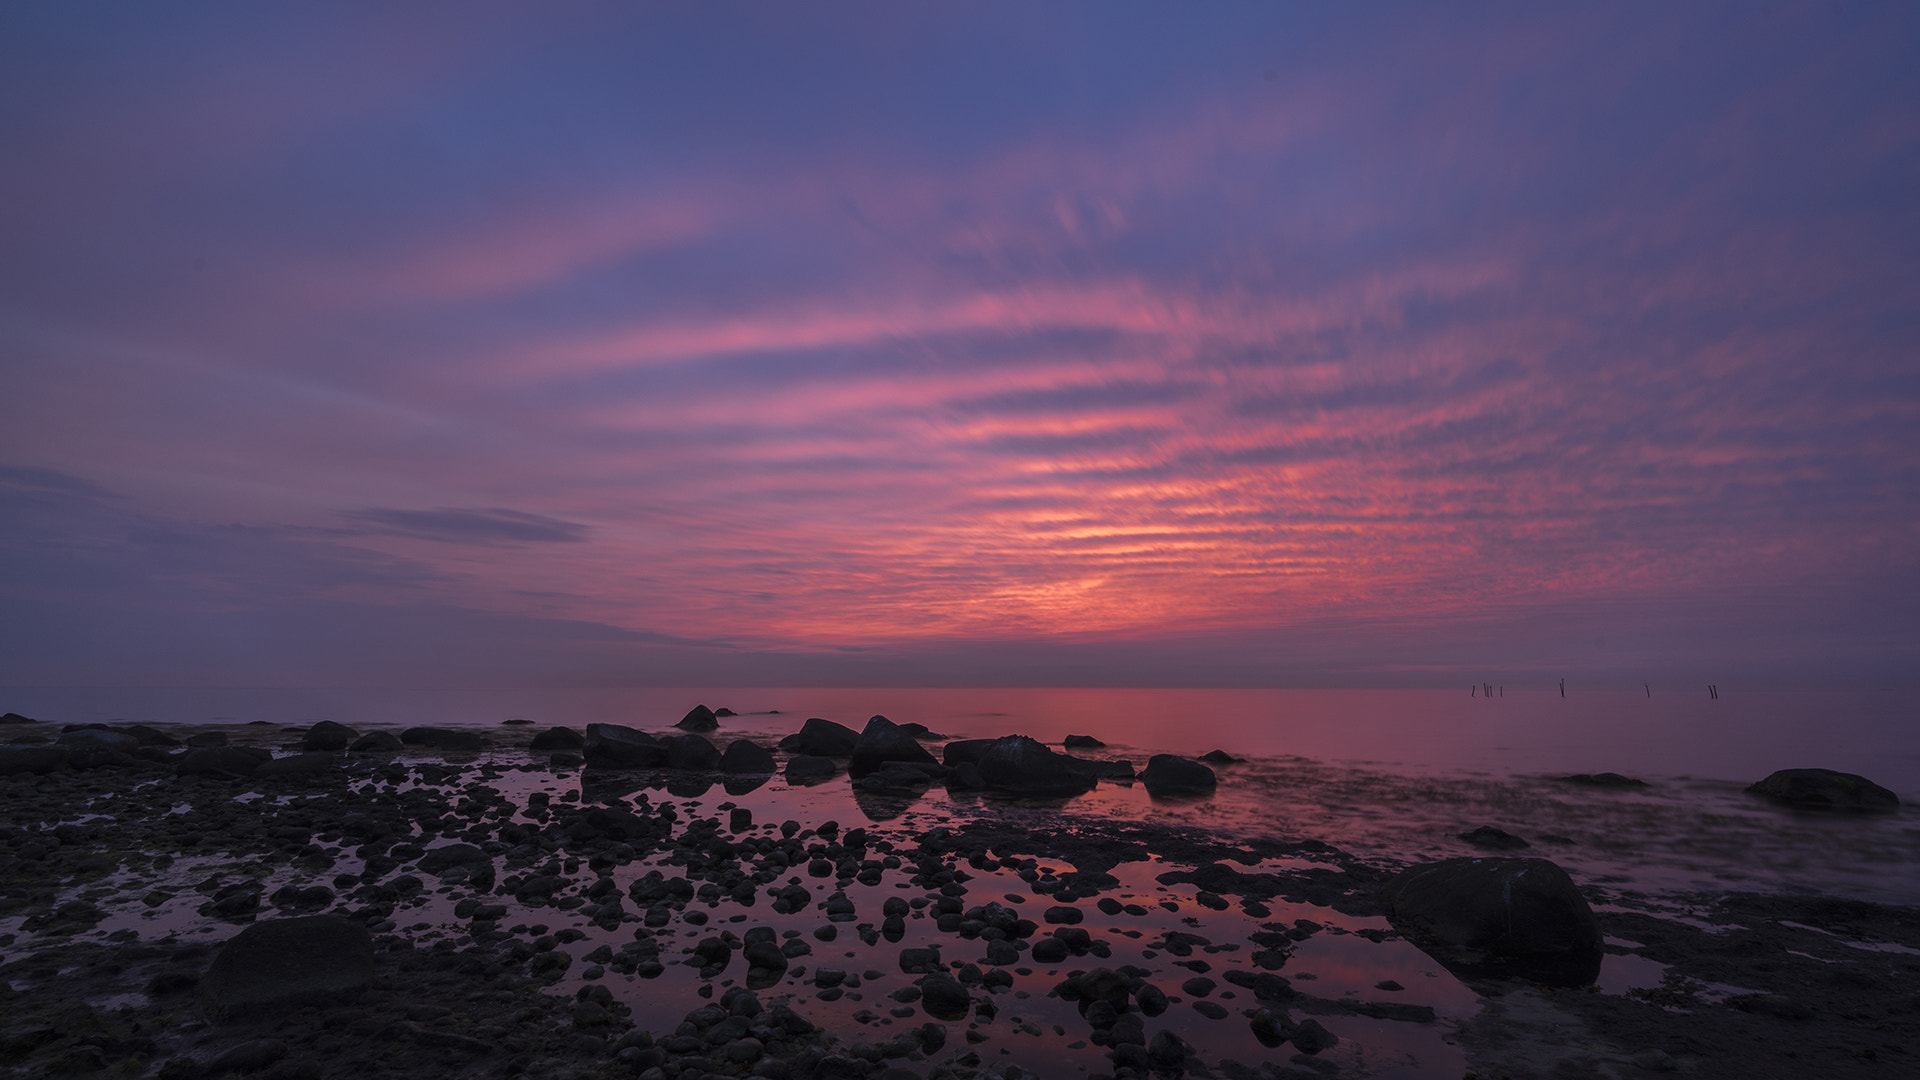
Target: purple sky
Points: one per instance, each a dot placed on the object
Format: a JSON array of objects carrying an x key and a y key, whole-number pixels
[{"x": 1224, "y": 344}]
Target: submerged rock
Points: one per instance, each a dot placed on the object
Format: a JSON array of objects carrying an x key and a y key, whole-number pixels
[
  {"x": 821, "y": 738},
  {"x": 882, "y": 741},
  {"x": 1170, "y": 774},
  {"x": 1486, "y": 836},
  {"x": 1498, "y": 918},
  {"x": 1825, "y": 789},
  {"x": 698, "y": 718},
  {"x": 285, "y": 963}
]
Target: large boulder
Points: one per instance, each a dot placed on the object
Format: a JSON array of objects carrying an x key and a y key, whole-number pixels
[
  {"x": 376, "y": 742},
  {"x": 746, "y": 757},
  {"x": 91, "y": 748},
  {"x": 612, "y": 746},
  {"x": 327, "y": 736},
  {"x": 439, "y": 738},
  {"x": 1498, "y": 918},
  {"x": 33, "y": 759},
  {"x": 691, "y": 752},
  {"x": 1018, "y": 765},
  {"x": 558, "y": 738},
  {"x": 883, "y": 741},
  {"x": 1172, "y": 775},
  {"x": 698, "y": 718},
  {"x": 321, "y": 960},
  {"x": 821, "y": 738},
  {"x": 1083, "y": 742},
  {"x": 965, "y": 751},
  {"x": 1823, "y": 789}
]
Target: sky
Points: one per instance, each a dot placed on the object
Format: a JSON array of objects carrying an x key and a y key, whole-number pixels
[{"x": 1314, "y": 344}]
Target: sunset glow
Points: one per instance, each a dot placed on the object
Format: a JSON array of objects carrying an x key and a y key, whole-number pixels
[{"x": 654, "y": 345}]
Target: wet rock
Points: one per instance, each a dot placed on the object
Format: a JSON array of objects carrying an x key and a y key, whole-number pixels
[
  {"x": 1492, "y": 839},
  {"x": 327, "y": 736},
  {"x": 920, "y": 961},
  {"x": 1311, "y": 1038},
  {"x": 698, "y": 718},
  {"x": 1778, "y": 1006},
  {"x": 821, "y": 738},
  {"x": 377, "y": 742},
  {"x": 439, "y": 738},
  {"x": 691, "y": 752},
  {"x": 229, "y": 761},
  {"x": 1271, "y": 1028},
  {"x": 439, "y": 860},
  {"x": 316, "y": 764},
  {"x": 270, "y": 966},
  {"x": 248, "y": 1057},
  {"x": 1082, "y": 742},
  {"x": 1063, "y": 913},
  {"x": 1018, "y": 765},
  {"x": 207, "y": 738},
  {"x": 943, "y": 998},
  {"x": 965, "y": 751},
  {"x": 1049, "y": 951},
  {"x": 1199, "y": 986},
  {"x": 743, "y": 756},
  {"x": 1168, "y": 1051},
  {"x": 894, "y": 779},
  {"x": 33, "y": 759},
  {"x": 1172, "y": 775},
  {"x": 882, "y": 742},
  {"x": 1823, "y": 789},
  {"x": 612, "y": 746},
  {"x": 1219, "y": 757},
  {"x": 1265, "y": 986},
  {"x": 808, "y": 769},
  {"x": 1498, "y": 917},
  {"x": 558, "y": 738},
  {"x": 103, "y": 738},
  {"x": 16, "y": 718},
  {"x": 1602, "y": 780}
]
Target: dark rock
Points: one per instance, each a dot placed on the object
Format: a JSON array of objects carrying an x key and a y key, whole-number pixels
[
  {"x": 439, "y": 860},
  {"x": 821, "y": 738},
  {"x": 325, "y": 735},
  {"x": 1063, "y": 913},
  {"x": 691, "y": 752},
  {"x": 98, "y": 738},
  {"x": 381, "y": 742},
  {"x": 150, "y": 736},
  {"x": 1602, "y": 780},
  {"x": 698, "y": 718},
  {"x": 16, "y": 718},
  {"x": 965, "y": 751},
  {"x": 747, "y": 757},
  {"x": 881, "y": 742},
  {"x": 1498, "y": 917},
  {"x": 807, "y": 769},
  {"x": 1167, "y": 1051},
  {"x": 1152, "y": 999},
  {"x": 558, "y": 738},
  {"x": 231, "y": 761},
  {"x": 1271, "y": 1028},
  {"x": 1821, "y": 789},
  {"x": 1264, "y": 986},
  {"x": 317, "y": 764},
  {"x": 1172, "y": 775},
  {"x": 1018, "y": 765},
  {"x": 33, "y": 759},
  {"x": 1220, "y": 757},
  {"x": 1199, "y": 986},
  {"x": 210, "y": 738},
  {"x": 1104, "y": 770},
  {"x": 248, "y": 1057},
  {"x": 319, "y": 960},
  {"x": 439, "y": 738},
  {"x": 1311, "y": 1038},
  {"x": 1082, "y": 742},
  {"x": 1049, "y": 951},
  {"x": 1778, "y": 1006},
  {"x": 894, "y": 779},
  {"x": 1492, "y": 839},
  {"x": 943, "y": 998},
  {"x": 920, "y": 961},
  {"x": 611, "y": 746}
]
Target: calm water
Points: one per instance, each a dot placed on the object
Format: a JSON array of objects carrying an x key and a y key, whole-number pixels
[{"x": 1392, "y": 773}]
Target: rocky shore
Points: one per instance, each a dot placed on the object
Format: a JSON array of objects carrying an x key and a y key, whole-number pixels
[{"x": 326, "y": 902}]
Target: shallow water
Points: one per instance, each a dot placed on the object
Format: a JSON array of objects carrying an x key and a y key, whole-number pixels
[{"x": 1349, "y": 768}]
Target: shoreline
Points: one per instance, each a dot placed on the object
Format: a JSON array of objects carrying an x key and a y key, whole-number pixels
[{"x": 1843, "y": 1010}]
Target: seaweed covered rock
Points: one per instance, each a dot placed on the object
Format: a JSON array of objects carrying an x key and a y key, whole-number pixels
[
  {"x": 1825, "y": 789},
  {"x": 1498, "y": 918}
]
